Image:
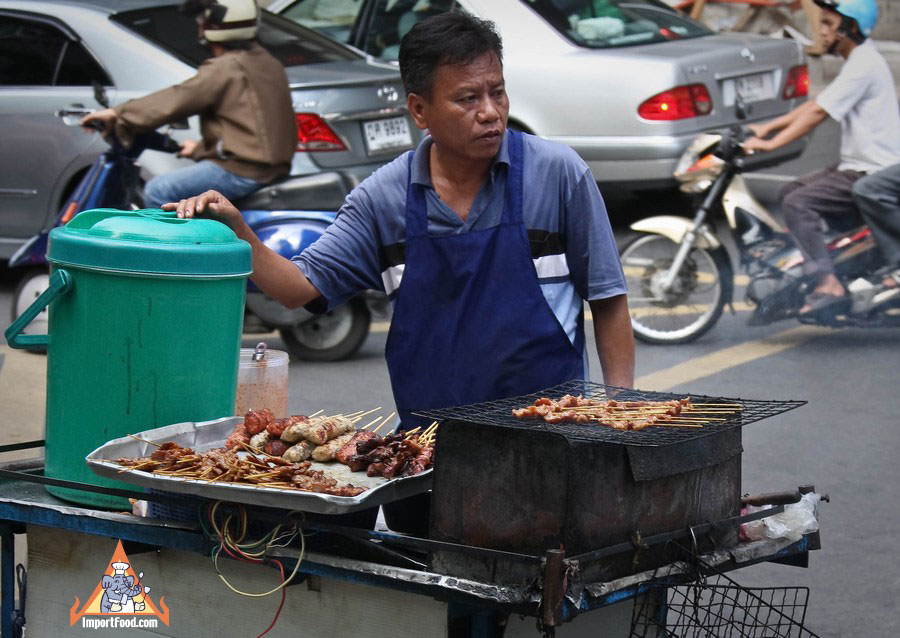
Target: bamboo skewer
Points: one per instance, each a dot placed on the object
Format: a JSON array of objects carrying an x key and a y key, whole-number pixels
[
  {"x": 143, "y": 440},
  {"x": 371, "y": 423},
  {"x": 368, "y": 412}
]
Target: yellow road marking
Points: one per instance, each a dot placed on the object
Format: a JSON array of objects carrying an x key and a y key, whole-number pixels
[
  {"x": 714, "y": 362},
  {"x": 654, "y": 311}
]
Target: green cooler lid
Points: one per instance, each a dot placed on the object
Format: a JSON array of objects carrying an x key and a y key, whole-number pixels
[{"x": 149, "y": 241}]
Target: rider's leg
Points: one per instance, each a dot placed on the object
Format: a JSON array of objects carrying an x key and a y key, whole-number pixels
[
  {"x": 878, "y": 197},
  {"x": 193, "y": 180},
  {"x": 822, "y": 195}
]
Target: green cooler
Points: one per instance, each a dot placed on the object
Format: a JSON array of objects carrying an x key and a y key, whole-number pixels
[{"x": 145, "y": 316}]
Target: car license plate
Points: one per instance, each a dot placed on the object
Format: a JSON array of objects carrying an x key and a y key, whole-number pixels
[
  {"x": 386, "y": 134},
  {"x": 752, "y": 88}
]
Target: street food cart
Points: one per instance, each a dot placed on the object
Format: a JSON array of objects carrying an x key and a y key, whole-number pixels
[
  {"x": 591, "y": 518},
  {"x": 533, "y": 528}
]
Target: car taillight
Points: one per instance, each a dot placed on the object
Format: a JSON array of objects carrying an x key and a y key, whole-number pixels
[
  {"x": 691, "y": 100},
  {"x": 314, "y": 134},
  {"x": 69, "y": 213},
  {"x": 797, "y": 83}
]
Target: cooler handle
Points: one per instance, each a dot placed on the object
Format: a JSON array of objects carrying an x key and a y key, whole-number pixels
[{"x": 60, "y": 283}]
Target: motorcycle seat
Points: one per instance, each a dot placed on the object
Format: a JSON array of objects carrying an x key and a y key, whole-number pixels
[{"x": 319, "y": 192}]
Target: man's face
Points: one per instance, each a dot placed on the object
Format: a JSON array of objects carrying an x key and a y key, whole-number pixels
[
  {"x": 828, "y": 29},
  {"x": 467, "y": 110}
]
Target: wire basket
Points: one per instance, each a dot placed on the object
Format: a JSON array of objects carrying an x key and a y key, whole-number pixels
[{"x": 720, "y": 607}]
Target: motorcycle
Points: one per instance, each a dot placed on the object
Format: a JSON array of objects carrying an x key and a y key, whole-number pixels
[
  {"x": 679, "y": 274},
  {"x": 288, "y": 215}
]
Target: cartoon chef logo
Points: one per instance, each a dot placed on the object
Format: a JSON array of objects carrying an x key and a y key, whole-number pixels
[{"x": 120, "y": 592}]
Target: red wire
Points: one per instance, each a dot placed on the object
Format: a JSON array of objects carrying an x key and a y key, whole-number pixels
[{"x": 281, "y": 604}]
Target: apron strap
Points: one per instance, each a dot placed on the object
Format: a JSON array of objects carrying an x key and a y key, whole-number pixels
[
  {"x": 512, "y": 212},
  {"x": 416, "y": 211}
]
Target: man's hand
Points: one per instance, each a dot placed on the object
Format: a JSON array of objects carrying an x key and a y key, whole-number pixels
[
  {"x": 275, "y": 275},
  {"x": 759, "y": 130},
  {"x": 211, "y": 203},
  {"x": 187, "y": 148},
  {"x": 756, "y": 144},
  {"x": 106, "y": 117}
]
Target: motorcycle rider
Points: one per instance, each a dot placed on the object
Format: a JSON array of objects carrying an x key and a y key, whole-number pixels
[
  {"x": 878, "y": 197},
  {"x": 244, "y": 102},
  {"x": 862, "y": 98}
]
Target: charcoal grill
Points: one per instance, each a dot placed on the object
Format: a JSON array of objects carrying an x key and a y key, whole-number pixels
[
  {"x": 528, "y": 486},
  {"x": 499, "y": 413}
]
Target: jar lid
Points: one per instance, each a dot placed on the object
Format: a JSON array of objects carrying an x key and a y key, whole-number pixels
[{"x": 149, "y": 241}]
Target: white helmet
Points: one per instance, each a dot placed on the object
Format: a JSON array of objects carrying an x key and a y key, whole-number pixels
[{"x": 225, "y": 20}]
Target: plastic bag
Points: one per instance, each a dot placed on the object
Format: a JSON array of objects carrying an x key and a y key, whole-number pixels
[{"x": 796, "y": 520}]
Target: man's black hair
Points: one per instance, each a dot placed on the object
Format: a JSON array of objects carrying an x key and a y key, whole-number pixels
[{"x": 453, "y": 37}]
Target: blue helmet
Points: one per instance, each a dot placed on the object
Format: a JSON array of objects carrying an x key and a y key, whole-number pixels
[{"x": 865, "y": 12}]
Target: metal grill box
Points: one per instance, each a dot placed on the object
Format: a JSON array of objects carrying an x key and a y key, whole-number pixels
[{"x": 526, "y": 492}]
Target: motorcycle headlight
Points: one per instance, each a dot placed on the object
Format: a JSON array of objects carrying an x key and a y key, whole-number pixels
[
  {"x": 695, "y": 186},
  {"x": 688, "y": 159}
]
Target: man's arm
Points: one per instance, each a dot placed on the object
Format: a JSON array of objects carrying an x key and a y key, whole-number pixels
[
  {"x": 615, "y": 340},
  {"x": 792, "y": 126},
  {"x": 275, "y": 275}
]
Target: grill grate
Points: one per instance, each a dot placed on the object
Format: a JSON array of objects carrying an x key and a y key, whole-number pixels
[{"x": 499, "y": 413}]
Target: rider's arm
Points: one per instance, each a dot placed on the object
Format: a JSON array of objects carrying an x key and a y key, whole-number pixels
[
  {"x": 193, "y": 96},
  {"x": 276, "y": 276},
  {"x": 791, "y": 127}
]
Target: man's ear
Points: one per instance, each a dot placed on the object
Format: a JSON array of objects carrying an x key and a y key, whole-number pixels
[{"x": 417, "y": 105}]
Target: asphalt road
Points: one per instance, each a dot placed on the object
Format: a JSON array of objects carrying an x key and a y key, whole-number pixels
[{"x": 845, "y": 441}]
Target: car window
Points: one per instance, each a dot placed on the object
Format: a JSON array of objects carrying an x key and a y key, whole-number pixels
[
  {"x": 176, "y": 33},
  {"x": 391, "y": 19},
  {"x": 35, "y": 53},
  {"x": 616, "y": 23},
  {"x": 333, "y": 18}
]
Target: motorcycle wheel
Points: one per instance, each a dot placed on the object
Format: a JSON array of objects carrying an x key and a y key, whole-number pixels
[
  {"x": 696, "y": 299},
  {"x": 33, "y": 283},
  {"x": 332, "y": 336}
]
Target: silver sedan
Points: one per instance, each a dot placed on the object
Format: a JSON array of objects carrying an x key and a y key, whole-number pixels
[
  {"x": 626, "y": 83},
  {"x": 350, "y": 111}
]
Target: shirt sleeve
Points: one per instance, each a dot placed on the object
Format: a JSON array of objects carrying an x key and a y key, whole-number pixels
[
  {"x": 344, "y": 260},
  {"x": 848, "y": 88},
  {"x": 192, "y": 96},
  {"x": 591, "y": 250}
]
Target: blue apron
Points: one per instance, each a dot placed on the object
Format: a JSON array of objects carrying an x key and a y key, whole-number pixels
[{"x": 470, "y": 322}]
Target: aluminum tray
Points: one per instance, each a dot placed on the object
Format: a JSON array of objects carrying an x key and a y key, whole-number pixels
[{"x": 206, "y": 435}]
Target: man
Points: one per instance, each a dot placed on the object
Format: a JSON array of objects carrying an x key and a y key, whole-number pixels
[
  {"x": 863, "y": 100},
  {"x": 244, "y": 101},
  {"x": 487, "y": 241},
  {"x": 878, "y": 197}
]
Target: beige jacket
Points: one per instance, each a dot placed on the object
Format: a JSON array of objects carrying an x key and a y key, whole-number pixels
[{"x": 246, "y": 115}]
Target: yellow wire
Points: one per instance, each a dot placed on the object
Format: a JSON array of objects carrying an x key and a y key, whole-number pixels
[{"x": 271, "y": 591}]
